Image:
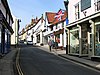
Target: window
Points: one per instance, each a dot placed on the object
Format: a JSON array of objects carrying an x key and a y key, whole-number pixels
[
  {"x": 56, "y": 26},
  {"x": 62, "y": 24},
  {"x": 38, "y": 38},
  {"x": 97, "y": 5},
  {"x": 97, "y": 40},
  {"x": 98, "y": 34},
  {"x": 77, "y": 16},
  {"x": 85, "y": 4},
  {"x": 51, "y": 28},
  {"x": 0, "y": 40}
]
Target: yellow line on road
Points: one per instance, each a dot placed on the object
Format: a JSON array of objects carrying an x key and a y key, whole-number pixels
[{"x": 17, "y": 63}]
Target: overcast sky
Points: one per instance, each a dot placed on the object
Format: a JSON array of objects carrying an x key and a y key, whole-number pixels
[{"x": 28, "y": 9}]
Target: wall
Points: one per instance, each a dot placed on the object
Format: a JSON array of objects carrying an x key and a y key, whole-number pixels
[
  {"x": 71, "y": 10},
  {"x": 14, "y": 36}
]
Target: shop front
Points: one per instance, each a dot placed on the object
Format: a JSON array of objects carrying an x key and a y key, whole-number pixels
[
  {"x": 0, "y": 39},
  {"x": 74, "y": 40},
  {"x": 94, "y": 53},
  {"x": 84, "y": 37},
  {"x": 97, "y": 40},
  {"x": 59, "y": 37},
  {"x": 5, "y": 32},
  {"x": 97, "y": 37},
  {"x": 78, "y": 39},
  {"x": 85, "y": 31}
]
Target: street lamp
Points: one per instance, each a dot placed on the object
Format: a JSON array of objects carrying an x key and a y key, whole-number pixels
[{"x": 66, "y": 4}]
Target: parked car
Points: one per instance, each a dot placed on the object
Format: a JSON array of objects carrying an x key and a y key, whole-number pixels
[{"x": 29, "y": 42}]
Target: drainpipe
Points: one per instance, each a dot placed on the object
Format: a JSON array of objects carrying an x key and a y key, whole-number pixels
[{"x": 68, "y": 46}]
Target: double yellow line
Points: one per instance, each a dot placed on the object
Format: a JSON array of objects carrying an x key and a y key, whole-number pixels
[{"x": 17, "y": 63}]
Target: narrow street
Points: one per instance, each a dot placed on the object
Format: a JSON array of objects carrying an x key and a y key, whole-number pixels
[{"x": 36, "y": 61}]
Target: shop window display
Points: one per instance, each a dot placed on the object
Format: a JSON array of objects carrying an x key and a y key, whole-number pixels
[
  {"x": 74, "y": 41},
  {"x": 84, "y": 39},
  {"x": 97, "y": 40},
  {"x": 58, "y": 38},
  {"x": 0, "y": 40},
  {"x": 6, "y": 42}
]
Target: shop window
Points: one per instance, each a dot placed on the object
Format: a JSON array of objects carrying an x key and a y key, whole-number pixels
[
  {"x": 58, "y": 38},
  {"x": 74, "y": 41},
  {"x": 97, "y": 40},
  {"x": 84, "y": 39},
  {"x": 77, "y": 14},
  {"x": 0, "y": 40},
  {"x": 6, "y": 42}
]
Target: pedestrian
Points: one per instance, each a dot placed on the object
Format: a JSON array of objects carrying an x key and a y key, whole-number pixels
[
  {"x": 56, "y": 43},
  {"x": 50, "y": 44}
]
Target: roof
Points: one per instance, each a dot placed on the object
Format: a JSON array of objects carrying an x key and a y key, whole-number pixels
[
  {"x": 33, "y": 23},
  {"x": 51, "y": 17}
]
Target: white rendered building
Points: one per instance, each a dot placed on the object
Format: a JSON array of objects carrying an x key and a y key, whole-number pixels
[
  {"x": 15, "y": 35},
  {"x": 38, "y": 30},
  {"x": 55, "y": 27},
  {"x": 84, "y": 28}
]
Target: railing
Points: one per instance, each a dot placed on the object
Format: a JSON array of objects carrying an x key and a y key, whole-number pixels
[{"x": 97, "y": 5}]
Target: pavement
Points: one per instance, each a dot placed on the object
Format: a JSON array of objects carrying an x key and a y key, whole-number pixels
[{"x": 6, "y": 62}]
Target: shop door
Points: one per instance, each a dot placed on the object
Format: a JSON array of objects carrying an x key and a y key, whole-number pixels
[{"x": 90, "y": 44}]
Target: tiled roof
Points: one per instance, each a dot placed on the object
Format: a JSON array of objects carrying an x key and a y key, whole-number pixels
[{"x": 51, "y": 17}]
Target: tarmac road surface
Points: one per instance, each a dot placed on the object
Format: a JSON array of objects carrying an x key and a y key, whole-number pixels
[{"x": 35, "y": 61}]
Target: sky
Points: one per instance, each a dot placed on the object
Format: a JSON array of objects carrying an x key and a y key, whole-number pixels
[{"x": 28, "y": 9}]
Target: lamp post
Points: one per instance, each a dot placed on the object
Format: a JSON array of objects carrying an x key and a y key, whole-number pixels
[{"x": 66, "y": 4}]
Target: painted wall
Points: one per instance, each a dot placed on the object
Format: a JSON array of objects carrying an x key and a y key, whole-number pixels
[
  {"x": 29, "y": 35},
  {"x": 14, "y": 36},
  {"x": 71, "y": 10}
]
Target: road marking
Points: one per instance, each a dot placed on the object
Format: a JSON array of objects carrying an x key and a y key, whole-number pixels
[{"x": 17, "y": 63}]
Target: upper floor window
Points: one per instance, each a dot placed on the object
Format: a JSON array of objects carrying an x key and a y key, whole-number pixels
[
  {"x": 77, "y": 15},
  {"x": 85, "y": 4},
  {"x": 56, "y": 26},
  {"x": 62, "y": 24},
  {"x": 97, "y": 5},
  {"x": 51, "y": 28}
]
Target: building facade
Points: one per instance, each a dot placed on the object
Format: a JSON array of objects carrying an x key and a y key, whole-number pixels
[
  {"x": 84, "y": 28},
  {"x": 6, "y": 30},
  {"x": 38, "y": 30},
  {"x": 15, "y": 35},
  {"x": 55, "y": 24}
]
